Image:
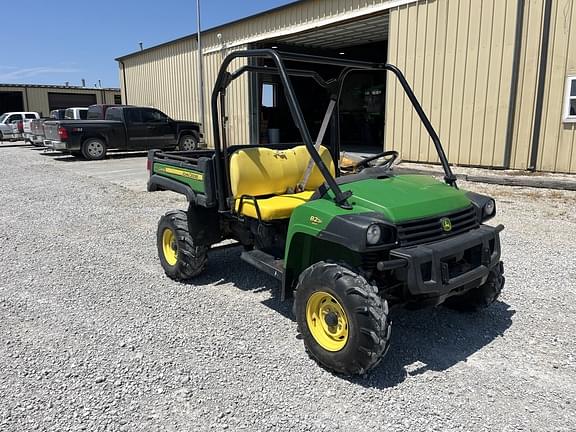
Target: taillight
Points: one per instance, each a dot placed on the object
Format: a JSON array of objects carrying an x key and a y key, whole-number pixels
[
  {"x": 62, "y": 133},
  {"x": 149, "y": 165},
  {"x": 21, "y": 126}
]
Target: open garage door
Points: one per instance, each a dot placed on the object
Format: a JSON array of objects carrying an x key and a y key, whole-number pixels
[
  {"x": 68, "y": 100},
  {"x": 11, "y": 101},
  {"x": 362, "y": 104}
]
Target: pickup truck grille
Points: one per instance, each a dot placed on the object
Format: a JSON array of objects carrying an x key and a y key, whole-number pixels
[{"x": 430, "y": 229}]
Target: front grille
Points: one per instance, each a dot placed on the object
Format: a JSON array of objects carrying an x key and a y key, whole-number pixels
[{"x": 430, "y": 229}]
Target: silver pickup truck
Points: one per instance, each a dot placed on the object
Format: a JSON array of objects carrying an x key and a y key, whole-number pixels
[
  {"x": 36, "y": 132},
  {"x": 9, "y": 130}
]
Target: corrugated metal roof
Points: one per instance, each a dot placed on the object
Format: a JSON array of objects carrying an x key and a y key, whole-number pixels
[
  {"x": 60, "y": 87},
  {"x": 357, "y": 32}
]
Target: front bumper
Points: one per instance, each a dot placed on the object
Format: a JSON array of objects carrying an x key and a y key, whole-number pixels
[{"x": 450, "y": 266}]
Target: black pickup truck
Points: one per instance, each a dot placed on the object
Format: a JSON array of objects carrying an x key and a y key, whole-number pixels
[{"x": 124, "y": 128}]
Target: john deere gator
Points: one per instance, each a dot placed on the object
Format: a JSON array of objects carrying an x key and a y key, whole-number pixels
[{"x": 346, "y": 248}]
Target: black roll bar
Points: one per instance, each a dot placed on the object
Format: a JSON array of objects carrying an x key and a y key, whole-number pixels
[
  {"x": 291, "y": 72},
  {"x": 225, "y": 78},
  {"x": 449, "y": 176}
]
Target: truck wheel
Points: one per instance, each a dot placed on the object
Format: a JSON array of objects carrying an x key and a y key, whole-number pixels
[
  {"x": 481, "y": 297},
  {"x": 94, "y": 149},
  {"x": 188, "y": 142},
  {"x": 181, "y": 259},
  {"x": 343, "y": 321}
]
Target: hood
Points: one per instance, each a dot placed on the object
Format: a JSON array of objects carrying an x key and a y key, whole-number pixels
[{"x": 405, "y": 197}]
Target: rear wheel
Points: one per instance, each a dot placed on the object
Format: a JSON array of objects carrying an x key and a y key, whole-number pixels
[
  {"x": 188, "y": 142},
  {"x": 180, "y": 257},
  {"x": 94, "y": 149},
  {"x": 343, "y": 321},
  {"x": 481, "y": 297}
]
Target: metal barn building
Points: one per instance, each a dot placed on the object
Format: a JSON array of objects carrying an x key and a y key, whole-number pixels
[
  {"x": 496, "y": 77},
  {"x": 45, "y": 98}
]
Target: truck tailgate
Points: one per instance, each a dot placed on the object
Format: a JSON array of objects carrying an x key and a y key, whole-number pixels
[
  {"x": 51, "y": 130},
  {"x": 37, "y": 127}
]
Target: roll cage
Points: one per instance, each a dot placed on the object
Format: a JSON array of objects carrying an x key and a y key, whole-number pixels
[{"x": 333, "y": 86}]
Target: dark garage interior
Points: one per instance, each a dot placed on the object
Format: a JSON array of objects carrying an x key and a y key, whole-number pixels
[
  {"x": 362, "y": 103},
  {"x": 11, "y": 101}
]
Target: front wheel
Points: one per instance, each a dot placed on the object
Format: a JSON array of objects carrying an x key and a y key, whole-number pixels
[
  {"x": 94, "y": 149},
  {"x": 180, "y": 256},
  {"x": 343, "y": 320}
]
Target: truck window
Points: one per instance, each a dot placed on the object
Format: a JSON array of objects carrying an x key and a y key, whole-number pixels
[
  {"x": 30, "y": 116},
  {"x": 69, "y": 114},
  {"x": 94, "y": 113},
  {"x": 114, "y": 114},
  {"x": 83, "y": 114},
  {"x": 133, "y": 115},
  {"x": 153, "y": 116},
  {"x": 14, "y": 117}
]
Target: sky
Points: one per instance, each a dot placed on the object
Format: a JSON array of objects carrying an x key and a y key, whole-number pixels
[{"x": 48, "y": 42}]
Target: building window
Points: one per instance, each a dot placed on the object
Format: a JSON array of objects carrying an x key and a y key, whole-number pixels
[
  {"x": 570, "y": 104},
  {"x": 269, "y": 95}
]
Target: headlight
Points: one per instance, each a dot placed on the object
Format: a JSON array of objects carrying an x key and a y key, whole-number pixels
[
  {"x": 489, "y": 209},
  {"x": 373, "y": 234}
]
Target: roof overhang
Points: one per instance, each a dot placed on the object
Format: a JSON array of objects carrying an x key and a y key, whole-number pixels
[{"x": 283, "y": 33}]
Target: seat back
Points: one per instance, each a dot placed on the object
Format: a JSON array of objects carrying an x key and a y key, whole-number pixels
[{"x": 259, "y": 171}]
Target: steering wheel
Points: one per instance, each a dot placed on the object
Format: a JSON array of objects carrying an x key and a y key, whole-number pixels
[{"x": 392, "y": 155}]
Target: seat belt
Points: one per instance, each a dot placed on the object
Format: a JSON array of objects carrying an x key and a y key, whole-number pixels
[{"x": 302, "y": 183}]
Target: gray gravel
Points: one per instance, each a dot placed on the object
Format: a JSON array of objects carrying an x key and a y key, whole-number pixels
[{"x": 94, "y": 337}]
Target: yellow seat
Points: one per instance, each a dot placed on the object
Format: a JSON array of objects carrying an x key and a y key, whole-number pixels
[
  {"x": 269, "y": 176},
  {"x": 276, "y": 207}
]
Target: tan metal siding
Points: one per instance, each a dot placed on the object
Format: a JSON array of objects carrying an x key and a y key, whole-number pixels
[
  {"x": 167, "y": 79},
  {"x": 557, "y": 139},
  {"x": 556, "y": 150},
  {"x": 457, "y": 56}
]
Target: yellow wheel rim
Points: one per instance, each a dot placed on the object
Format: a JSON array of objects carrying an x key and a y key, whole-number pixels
[
  {"x": 169, "y": 246},
  {"x": 327, "y": 321}
]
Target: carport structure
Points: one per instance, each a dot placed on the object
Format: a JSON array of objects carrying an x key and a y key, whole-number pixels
[{"x": 494, "y": 77}]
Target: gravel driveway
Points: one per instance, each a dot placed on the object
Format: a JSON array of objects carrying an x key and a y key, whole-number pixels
[{"x": 93, "y": 336}]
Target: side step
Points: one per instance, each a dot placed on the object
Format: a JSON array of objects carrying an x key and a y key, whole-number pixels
[{"x": 264, "y": 262}]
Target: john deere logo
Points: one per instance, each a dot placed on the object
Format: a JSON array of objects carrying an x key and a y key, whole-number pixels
[
  {"x": 446, "y": 224},
  {"x": 315, "y": 220}
]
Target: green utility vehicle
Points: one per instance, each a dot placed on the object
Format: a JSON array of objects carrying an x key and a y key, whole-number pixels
[{"x": 346, "y": 247}]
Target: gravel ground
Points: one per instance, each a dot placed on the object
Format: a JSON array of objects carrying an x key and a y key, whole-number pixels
[{"x": 94, "y": 337}]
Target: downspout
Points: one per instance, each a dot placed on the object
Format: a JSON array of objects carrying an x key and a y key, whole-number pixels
[
  {"x": 514, "y": 83},
  {"x": 124, "y": 81},
  {"x": 541, "y": 85}
]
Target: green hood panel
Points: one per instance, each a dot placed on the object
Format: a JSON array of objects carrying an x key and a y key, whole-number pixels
[{"x": 405, "y": 197}]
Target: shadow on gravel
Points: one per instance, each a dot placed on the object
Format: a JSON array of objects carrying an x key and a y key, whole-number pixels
[
  {"x": 21, "y": 145},
  {"x": 114, "y": 156},
  {"x": 433, "y": 339},
  {"x": 226, "y": 267}
]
